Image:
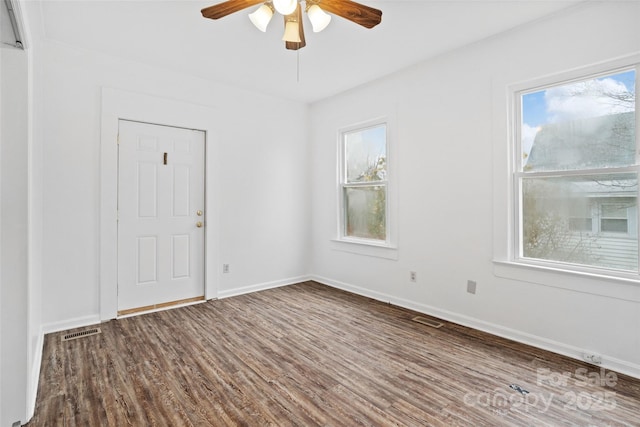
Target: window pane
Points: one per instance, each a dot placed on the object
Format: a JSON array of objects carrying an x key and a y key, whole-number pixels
[
  {"x": 366, "y": 154},
  {"x": 580, "y": 216},
  {"x": 365, "y": 212},
  {"x": 614, "y": 218},
  {"x": 580, "y": 224},
  {"x": 585, "y": 124},
  {"x": 550, "y": 231},
  {"x": 614, "y": 225},
  {"x": 614, "y": 211}
]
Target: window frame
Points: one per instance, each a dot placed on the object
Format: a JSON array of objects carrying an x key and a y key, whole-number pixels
[
  {"x": 517, "y": 172},
  {"x": 369, "y": 247},
  {"x": 343, "y": 184}
]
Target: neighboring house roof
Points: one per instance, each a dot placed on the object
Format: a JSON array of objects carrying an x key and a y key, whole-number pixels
[{"x": 596, "y": 142}]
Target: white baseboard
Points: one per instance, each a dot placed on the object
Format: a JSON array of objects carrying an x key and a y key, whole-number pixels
[
  {"x": 608, "y": 362},
  {"x": 261, "y": 286},
  {"x": 620, "y": 366},
  {"x": 78, "y": 322}
]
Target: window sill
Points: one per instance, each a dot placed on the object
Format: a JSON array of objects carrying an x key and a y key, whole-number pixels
[
  {"x": 620, "y": 286},
  {"x": 363, "y": 247}
]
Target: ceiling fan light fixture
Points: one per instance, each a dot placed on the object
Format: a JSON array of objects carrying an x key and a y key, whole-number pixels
[
  {"x": 317, "y": 10},
  {"x": 318, "y": 17},
  {"x": 291, "y": 32},
  {"x": 285, "y": 7},
  {"x": 262, "y": 16}
]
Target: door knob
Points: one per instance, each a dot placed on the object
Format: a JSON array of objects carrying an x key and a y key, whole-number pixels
[
  {"x": 199, "y": 224},
  {"x": 199, "y": 213}
]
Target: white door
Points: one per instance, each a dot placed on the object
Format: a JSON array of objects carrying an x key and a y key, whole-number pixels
[{"x": 160, "y": 215}]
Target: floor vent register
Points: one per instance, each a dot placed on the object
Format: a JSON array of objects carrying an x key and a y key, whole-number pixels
[
  {"x": 428, "y": 322},
  {"x": 81, "y": 334}
]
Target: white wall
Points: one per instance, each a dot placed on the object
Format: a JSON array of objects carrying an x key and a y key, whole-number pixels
[
  {"x": 262, "y": 172},
  {"x": 14, "y": 330},
  {"x": 451, "y": 115}
]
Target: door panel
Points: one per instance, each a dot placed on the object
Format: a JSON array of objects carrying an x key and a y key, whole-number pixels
[
  {"x": 147, "y": 257},
  {"x": 181, "y": 256},
  {"x": 181, "y": 190},
  {"x": 160, "y": 191},
  {"x": 147, "y": 190}
]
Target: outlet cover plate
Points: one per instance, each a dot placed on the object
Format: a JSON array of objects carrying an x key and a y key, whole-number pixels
[{"x": 471, "y": 286}]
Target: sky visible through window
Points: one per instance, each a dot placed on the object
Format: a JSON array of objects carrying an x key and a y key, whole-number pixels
[
  {"x": 363, "y": 149},
  {"x": 578, "y": 100}
]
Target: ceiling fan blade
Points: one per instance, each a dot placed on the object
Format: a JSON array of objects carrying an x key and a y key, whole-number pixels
[
  {"x": 220, "y": 10},
  {"x": 302, "y": 43},
  {"x": 363, "y": 15}
]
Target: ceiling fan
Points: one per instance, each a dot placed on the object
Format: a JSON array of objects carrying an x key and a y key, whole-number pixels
[{"x": 316, "y": 10}]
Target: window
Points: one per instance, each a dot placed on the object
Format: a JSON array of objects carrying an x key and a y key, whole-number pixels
[
  {"x": 576, "y": 173},
  {"x": 613, "y": 218},
  {"x": 580, "y": 217},
  {"x": 364, "y": 184}
]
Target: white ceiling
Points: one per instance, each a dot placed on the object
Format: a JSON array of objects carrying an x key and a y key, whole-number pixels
[{"x": 172, "y": 34}]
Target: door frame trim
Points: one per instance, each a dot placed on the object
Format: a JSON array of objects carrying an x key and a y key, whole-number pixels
[{"x": 122, "y": 105}]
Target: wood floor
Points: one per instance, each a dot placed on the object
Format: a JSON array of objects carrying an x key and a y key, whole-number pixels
[{"x": 307, "y": 355}]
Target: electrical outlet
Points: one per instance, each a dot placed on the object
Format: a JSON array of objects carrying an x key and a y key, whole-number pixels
[
  {"x": 471, "y": 286},
  {"x": 225, "y": 268},
  {"x": 413, "y": 276}
]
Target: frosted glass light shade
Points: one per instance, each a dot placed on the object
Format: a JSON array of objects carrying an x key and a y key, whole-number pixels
[
  {"x": 285, "y": 7},
  {"x": 319, "y": 19},
  {"x": 261, "y": 17},
  {"x": 291, "y": 32}
]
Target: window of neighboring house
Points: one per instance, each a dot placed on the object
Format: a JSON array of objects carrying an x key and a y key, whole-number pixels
[
  {"x": 580, "y": 218},
  {"x": 364, "y": 184},
  {"x": 577, "y": 173},
  {"x": 603, "y": 216},
  {"x": 613, "y": 218}
]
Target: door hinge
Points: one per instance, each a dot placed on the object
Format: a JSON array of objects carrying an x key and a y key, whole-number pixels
[{"x": 118, "y": 139}]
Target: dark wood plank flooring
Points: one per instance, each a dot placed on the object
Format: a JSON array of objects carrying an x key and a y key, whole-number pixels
[{"x": 307, "y": 355}]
